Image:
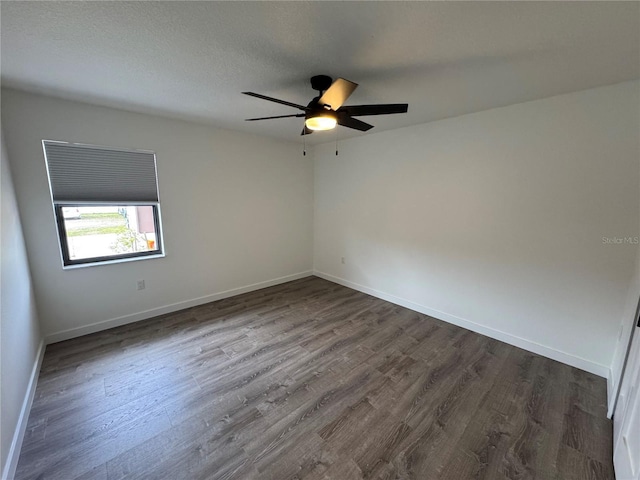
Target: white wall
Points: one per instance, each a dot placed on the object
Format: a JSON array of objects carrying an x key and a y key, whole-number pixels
[
  {"x": 236, "y": 210},
  {"x": 20, "y": 339},
  {"x": 494, "y": 220}
]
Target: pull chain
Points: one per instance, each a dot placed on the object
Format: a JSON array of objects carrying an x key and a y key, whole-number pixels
[
  {"x": 336, "y": 141},
  {"x": 304, "y": 144}
]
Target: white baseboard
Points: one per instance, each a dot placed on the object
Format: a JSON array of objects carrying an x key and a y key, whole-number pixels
[
  {"x": 563, "y": 357},
  {"x": 174, "y": 307},
  {"x": 9, "y": 470},
  {"x": 611, "y": 401}
]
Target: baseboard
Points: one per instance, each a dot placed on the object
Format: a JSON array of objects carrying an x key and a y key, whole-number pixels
[
  {"x": 611, "y": 400},
  {"x": 174, "y": 307},
  {"x": 563, "y": 357},
  {"x": 9, "y": 470}
]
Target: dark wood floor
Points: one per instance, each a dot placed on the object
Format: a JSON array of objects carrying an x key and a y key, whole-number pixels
[{"x": 310, "y": 380}]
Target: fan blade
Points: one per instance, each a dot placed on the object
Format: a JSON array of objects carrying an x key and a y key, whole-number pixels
[
  {"x": 277, "y": 116},
  {"x": 346, "y": 121},
  {"x": 381, "y": 109},
  {"x": 338, "y": 93},
  {"x": 306, "y": 131},
  {"x": 271, "y": 99}
]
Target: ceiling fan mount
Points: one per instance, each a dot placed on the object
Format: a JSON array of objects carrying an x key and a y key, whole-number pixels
[
  {"x": 321, "y": 83},
  {"x": 326, "y": 110}
]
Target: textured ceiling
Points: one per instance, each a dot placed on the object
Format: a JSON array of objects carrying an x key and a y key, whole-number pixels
[{"x": 191, "y": 60}]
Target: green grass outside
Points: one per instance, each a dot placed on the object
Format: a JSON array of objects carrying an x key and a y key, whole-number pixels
[{"x": 79, "y": 232}]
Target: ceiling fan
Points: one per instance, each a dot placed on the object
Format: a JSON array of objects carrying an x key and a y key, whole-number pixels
[{"x": 326, "y": 110}]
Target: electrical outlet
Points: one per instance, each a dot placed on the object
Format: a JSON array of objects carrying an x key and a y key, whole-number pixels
[
  {"x": 342, "y": 260},
  {"x": 140, "y": 284}
]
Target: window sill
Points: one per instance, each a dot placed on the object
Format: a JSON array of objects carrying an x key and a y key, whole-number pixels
[{"x": 111, "y": 262}]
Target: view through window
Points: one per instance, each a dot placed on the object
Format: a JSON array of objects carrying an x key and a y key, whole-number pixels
[{"x": 108, "y": 231}]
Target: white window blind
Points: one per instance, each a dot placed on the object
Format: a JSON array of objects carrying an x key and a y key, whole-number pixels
[{"x": 83, "y": 173}]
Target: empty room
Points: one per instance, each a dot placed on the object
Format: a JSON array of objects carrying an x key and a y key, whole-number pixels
[{"x": 320, "y": 240}]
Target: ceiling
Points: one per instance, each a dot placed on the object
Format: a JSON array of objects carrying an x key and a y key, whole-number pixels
[{"x": 191, "y": 60}]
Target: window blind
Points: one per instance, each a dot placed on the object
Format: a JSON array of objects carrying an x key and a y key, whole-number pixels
[{"x": 83, "y": 173}]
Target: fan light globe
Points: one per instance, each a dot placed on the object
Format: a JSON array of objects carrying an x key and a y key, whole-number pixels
[{"x": 321, "y": 122}]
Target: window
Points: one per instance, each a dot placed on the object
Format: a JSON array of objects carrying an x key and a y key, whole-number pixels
[{"x": 105, "y": 202}]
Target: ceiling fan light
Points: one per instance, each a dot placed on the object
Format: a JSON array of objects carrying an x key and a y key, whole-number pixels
[{"x": 321, "y": 122}]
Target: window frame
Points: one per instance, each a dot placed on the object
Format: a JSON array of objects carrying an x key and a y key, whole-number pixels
[
  {"x": 67, "y": 262},
  {"x": 119, "y": 199}
]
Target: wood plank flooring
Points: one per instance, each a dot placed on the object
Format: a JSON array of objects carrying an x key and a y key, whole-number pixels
[{"x": 310, "y": 380}]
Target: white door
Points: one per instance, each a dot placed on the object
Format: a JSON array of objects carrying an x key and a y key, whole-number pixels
[{"x": 626, "y": 419}]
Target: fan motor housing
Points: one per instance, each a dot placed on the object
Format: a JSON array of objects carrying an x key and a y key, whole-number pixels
[{"x": 321, "y": 82}]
